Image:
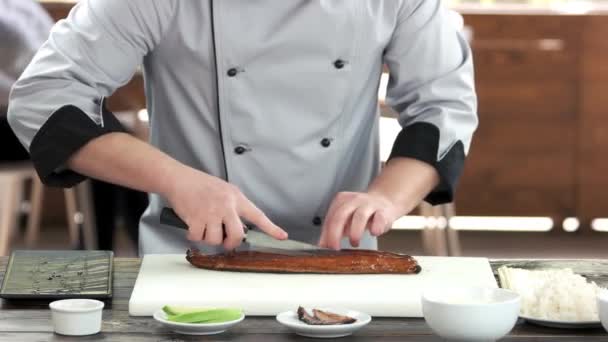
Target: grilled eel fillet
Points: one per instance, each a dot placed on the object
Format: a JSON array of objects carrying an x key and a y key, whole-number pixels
[{"x": 349, "y": 261}]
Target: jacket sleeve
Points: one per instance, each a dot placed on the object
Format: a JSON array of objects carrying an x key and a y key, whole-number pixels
[
  {"x": 56, "y": 106},
  {"x": 432, "y": 88}
]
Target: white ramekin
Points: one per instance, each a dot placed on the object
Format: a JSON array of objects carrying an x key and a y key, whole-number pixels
[{"x": 76, "y": 317}]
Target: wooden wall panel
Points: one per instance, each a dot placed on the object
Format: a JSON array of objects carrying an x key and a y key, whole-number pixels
[
  {"x": 520, "y": 168},
  {"x": 525, "y": 26},
  {"x": 520, "y": 61},
  {"x": 523, "y": 158},
  {"x": 501, "y": 99},
  {"x": 593, "y": 130},
  {"x": 594, "y": 97},
  {"x": 524, "y": 138}
]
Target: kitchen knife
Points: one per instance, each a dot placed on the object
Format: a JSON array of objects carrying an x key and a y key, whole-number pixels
[{"x": 258, "y": 240}]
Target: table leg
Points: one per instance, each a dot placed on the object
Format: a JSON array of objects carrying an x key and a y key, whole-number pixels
[
  {"x": 71, "y": 212},
  {"x": 9, "y": 207},
  {"x": 85, "y": 205},
  {"x": 33, "y": 225}
]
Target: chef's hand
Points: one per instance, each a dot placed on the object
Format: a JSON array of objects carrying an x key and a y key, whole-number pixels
[
  {"x": 206, "y": 203},
  {"x": 351, "y": 213},
  {"x": 400, "y": 187}
]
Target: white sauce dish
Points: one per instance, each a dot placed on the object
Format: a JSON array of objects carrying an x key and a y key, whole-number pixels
[
  {"x": 290, "y": 320},
  {"x": 76, "y": 317},
  {"x": 195, "y": 328}
]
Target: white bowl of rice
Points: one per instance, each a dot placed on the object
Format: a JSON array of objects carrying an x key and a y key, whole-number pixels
[{"x": 602, "y": 301}]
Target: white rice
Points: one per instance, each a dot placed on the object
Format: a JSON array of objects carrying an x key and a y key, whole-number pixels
[{"x": 553, "y": 294}]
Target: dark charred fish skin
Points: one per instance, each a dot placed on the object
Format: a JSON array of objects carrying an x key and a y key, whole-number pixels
[{"x": 349, "y": 261}]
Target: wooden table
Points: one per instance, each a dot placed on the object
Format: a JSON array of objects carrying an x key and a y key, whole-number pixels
[{"x": 30, "y": 321}]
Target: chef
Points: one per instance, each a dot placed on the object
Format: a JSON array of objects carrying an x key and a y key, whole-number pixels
[{"x": 263, "y": 112}]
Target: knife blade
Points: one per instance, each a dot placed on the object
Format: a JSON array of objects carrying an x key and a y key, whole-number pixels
[
  {"x": 261, "y": 240},
  {"x": 256, "y": 239}
]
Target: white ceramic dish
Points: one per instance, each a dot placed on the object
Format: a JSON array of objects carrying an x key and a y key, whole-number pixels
[
  {"x": 290, "y": 320},
  {"x": 602, "y": 302},
  {"x": 195, "y": 328},
  {"x": 471, "y": 313},
  {"x": 551, "y": 323},
  {"x": 76, "y": 317}
]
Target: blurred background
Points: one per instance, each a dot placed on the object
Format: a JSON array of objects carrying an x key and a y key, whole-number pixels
[{"x": 535, "y": 183}]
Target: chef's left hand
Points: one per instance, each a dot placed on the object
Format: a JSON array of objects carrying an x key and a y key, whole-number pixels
[
  {"x": 400, "y": 187},
  {"x": 352, "y": 212}
]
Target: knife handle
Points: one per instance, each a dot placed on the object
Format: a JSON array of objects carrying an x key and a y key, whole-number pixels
[{"x": 170, "y": 218}]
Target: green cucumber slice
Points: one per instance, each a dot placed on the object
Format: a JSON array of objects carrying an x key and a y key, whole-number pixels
[
  {"x": 207, "y": 316},
  {"x": 178, "y": 310}
]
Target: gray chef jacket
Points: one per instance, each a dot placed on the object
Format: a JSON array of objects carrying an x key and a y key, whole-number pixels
[{"x": 278, "y": 97}]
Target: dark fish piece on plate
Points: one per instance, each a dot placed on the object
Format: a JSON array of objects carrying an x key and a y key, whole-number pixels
[
  {"x": 321, "y": 317},
  {"x": 305, "y": 317},
  {"x": 349, "y": 261},
  {"x": 332, "y": 318}
]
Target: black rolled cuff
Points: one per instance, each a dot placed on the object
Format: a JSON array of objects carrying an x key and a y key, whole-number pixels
[
  {"x": 420, "y": 141},
  {"x": 65, "y": 132}
]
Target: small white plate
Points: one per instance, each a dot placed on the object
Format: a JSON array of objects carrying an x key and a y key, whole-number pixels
[
  {"x": 563, "y": 324},
  {"x": 195, "y": 328},
  {"x": 290, "y": 320}
]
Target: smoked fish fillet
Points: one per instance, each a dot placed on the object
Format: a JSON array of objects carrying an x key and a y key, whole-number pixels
[
  {"x": 320, "y": 317},
  {"x": 349, "y": 261}
]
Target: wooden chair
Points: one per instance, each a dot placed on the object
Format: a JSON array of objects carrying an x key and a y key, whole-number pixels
[
  {"x": 79, "y": 209},
  {"x": 438, "y": 237}
]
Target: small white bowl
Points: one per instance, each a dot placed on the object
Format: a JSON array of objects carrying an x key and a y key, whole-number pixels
[
  {"x": 471, "y": 314},
  {"x": 602, "y": 304},
  {"x": 195, "y": 328},
  {"x": 290, "y": 319},
  {"x": 76, "y": 317}
]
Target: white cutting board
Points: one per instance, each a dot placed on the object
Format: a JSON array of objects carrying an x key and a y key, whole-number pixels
[{"x": 170, "y": 280}]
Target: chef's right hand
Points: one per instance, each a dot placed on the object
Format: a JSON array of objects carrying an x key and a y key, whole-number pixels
[{"x": 206, "y": 203}]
